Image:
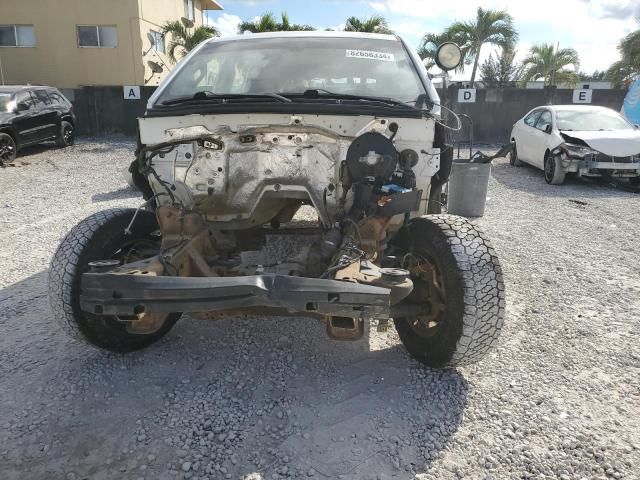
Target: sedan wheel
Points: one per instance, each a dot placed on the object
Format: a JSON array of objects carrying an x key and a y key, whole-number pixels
[
  {"x": 554, "y": 174},
  {"x": 513, "y": 157}
]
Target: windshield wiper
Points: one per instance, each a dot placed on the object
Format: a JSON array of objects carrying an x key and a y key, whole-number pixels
[
  {"x": 207, "y": 95},
  {"x": 323, "y": 93}
]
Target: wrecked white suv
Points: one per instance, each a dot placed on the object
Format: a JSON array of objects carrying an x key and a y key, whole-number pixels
[{"x": 243, "y": 133}]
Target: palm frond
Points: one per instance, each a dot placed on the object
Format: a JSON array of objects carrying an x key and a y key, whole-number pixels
[
  {"x": 552, "y": 64},
  {"x": 625, "y": 70},
  {"x": 374, "y": 24},
  {"x": 174, "y": 47},
  {"x": 267, "y": 23},
  {"x": 489, "y": 26},
  {"x": 185, "y": 39}
]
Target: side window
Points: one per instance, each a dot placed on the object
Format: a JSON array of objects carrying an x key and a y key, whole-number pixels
[
  {"x": 531, "y": 118},
  {"x": 25, "y": 98},
  {"x": 544, "y": 120},
  {"x": 56, "y": 98},
  {"x": 41, "y": 98}
]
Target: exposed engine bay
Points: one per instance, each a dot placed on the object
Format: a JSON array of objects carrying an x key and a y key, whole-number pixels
[
  {"x": 220, "y": 189},
  {"x": 240, "y": 176}
]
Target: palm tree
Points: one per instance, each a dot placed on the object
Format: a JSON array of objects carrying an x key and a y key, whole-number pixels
[
  {"x": 489, "y": 26},
  {"x": 551, "y": 64},
  {"x": 502, "y": 71},
  {"x": 267, "y": 22},
  {"x": 429, "y": 46},
  {"x": 595, "y": 76},
  {"x": 184, "y": 39},
  {"x": 374, "y": 24},
  {"x": 292, "y": 27},
  {"x": 625, "y": 70}
]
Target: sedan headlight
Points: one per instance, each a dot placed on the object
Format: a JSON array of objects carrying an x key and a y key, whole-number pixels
[{"x": 576, "y": 151}]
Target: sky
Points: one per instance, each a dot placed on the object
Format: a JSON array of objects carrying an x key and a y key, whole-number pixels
[{"x": 592, "y": 27}]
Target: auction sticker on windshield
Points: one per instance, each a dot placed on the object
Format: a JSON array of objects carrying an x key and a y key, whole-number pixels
[{"x": 385, "y": 57}]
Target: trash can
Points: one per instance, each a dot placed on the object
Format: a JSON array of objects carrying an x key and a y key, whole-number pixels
[{"x": 468, "y": 184}]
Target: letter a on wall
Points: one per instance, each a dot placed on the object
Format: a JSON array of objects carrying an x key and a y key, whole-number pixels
[{"x": 131, "y": 92}]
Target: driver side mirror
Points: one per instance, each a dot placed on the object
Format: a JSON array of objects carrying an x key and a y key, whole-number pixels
[
  {"x": 548, "y": 128},
  {"x": 21, "y": 107},
  {"x": 636, "y": 126}
]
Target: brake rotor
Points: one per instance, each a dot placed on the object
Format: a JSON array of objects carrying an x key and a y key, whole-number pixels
[{"x": 426, "y": 276}]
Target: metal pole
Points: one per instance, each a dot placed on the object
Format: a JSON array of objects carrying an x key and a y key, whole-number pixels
[
  {"x": 1, "y": 72},
  {"x": 445, "y": 99}
]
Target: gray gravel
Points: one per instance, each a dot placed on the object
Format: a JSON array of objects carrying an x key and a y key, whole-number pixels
[{"x": 263, "y": 398}]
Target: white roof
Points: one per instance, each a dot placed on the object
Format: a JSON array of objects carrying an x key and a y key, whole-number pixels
[
  {"x": 593, "y": 108},
  {"x": 306, "y": 34}
]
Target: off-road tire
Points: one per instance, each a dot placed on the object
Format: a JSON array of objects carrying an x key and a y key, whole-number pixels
[
  {"x": 473, "y": 315},
  {"x": 98, "y": 237},
  {"x": 8, "y": 149},
  {"x": 513, "y": 157},
  {"x": 66, "y": 136},
  {"x": 554, "y": 174}
]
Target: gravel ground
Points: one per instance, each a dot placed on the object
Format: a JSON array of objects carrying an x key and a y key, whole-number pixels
[{"x": 262, "y": 398}]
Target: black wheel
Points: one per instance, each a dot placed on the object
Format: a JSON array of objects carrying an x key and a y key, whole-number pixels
[
  {"x": 7, "y": 148},
  {"x": 458, "y": 281},
  {"x": 66, "y": 137},
  {"x": 554, "y": 174},
  {"x": 635, "y": 181},
  {"x": 98, "y": 237},
  {"x": 513, "y": 157}
]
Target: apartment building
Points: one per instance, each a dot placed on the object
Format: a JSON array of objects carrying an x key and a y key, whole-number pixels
[{"x": 73, "y": 43}]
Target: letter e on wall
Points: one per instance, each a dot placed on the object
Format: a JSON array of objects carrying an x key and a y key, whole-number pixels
[{"x": 582, "y": 96}]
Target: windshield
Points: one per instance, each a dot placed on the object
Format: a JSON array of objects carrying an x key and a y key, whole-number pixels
[
  {"x": 354, "y": 66},
  {"x": 592, "y": 120},
  {"x": 4, "y": 101}
]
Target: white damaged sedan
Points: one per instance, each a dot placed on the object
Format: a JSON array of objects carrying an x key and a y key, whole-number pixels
[{"x": 586, "y": 140}]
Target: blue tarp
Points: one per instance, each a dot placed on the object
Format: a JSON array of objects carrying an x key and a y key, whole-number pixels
[{"x": 631, "y": 105}]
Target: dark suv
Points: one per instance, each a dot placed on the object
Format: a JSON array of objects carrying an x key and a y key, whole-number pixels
[{"x": 30, "y": 115}]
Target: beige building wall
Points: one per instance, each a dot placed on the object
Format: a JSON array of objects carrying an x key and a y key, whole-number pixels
[
  {"x": 152, "y": 15},
  {"x": 56, "y": 59}
]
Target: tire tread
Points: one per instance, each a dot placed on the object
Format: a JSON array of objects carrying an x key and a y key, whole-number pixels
[
  {"x": 484, "y": 292},
  {"x": 65, "y": 263}
]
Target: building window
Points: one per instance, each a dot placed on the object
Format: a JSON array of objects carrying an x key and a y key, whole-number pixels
[
  {"x": 17, "y": 36},
  {"x": 188, "y": 9},
  {"x": 158, "y": 41},
  {"x": 97, "y": 36}
]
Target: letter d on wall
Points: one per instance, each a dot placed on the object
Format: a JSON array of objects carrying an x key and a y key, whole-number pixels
[{"x": 467, "y": 95}]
